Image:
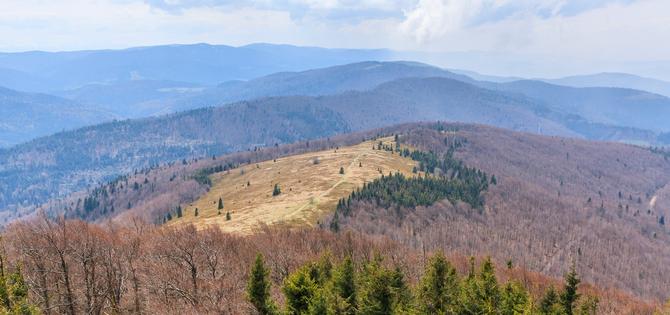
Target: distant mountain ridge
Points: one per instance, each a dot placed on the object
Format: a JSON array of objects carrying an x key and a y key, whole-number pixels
[
  {"x": 610, "y": 106},
  {"x": 198, "y": 63},
  {"x": 613, "y": 79},
  {"x": 25, "y": 116},
  {"x": 149, "y": 81}
]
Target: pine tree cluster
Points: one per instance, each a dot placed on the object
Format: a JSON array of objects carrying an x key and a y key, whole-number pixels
[
  {"x": 443, "y": 178},
  {"x": 374, "y": 287}
]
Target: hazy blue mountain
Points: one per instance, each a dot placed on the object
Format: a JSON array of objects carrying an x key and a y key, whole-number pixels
[
  {"x": 620, "y": 80},
  {"x": 485, "y": 77},
  {"x": 199, "y": 63},
  {"x": 324, "y": 81},
  {"x": 611, "y": 106},
  {"x": 607, "y": 106},
  {"x": 25, "y": 116},
  {"x": 134, "y": 98},
  {"x": 144, "y": 97}
]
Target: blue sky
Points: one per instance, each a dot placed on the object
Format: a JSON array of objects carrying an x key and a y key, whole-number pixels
[{"x": 586, "y": 32}]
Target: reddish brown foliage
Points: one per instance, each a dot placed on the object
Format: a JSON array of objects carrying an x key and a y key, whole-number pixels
[{"x": 77, "y": 267}]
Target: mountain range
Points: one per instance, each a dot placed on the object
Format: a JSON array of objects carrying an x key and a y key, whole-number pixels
[
  {"x": 198, "y": 109},
  {"x": 150, "y": 81}
]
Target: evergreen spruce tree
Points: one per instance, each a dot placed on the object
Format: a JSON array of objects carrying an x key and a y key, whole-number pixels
[
  {"x": 589, "y": 306},
  {"x": 382, "y": 291},
  {"x": 514, "y": 299},
  {"x": 258, "y": 288},
  {"x": 549, "y": 304},
  {"x": 570, "y": 296},
  {"x": 179, "y": 212},
  {"x": 220, "y": 204},
  {"x": 344, "y": 285},
  {"x": 228, "y": 216},
  {"x": 335, "y": 222},
  {"x": 480, "y": 293},
  {"x": 489, "y": 286},
  {"x": 341, "y": 170},
  {"x": 375, "y": 295},
  {"x": 299, "y": 289},
  {"x": 438, "y": 289},
  {"x": 196, "y": 212},
  {"x": 276, "y": 191},
  {"x": 402, "y": 295},
  {"x": 318, "y": 305},
  {"x": 322, "y": 271},
  {"x": 14, "y": 294}
]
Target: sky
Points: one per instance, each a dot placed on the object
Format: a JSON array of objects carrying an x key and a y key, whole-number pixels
[{"x": 504, "y": 37}]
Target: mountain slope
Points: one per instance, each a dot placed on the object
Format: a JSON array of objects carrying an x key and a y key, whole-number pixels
[
  {"x": 25, "y": 116},
  {"x": 310, "y": 186},
  {"x": 554, "y": 202},
  {"x": 323, "y": 81},
  {"x": 611, "y": 106},
  {"x": 56, "y": 165},
  {"x": 620, "y": 80},
  {"x": 134, "y": 98}
]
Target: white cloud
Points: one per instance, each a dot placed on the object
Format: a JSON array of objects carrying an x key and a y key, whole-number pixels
[
  {"x": 543, "y": 36},
  {"x": 434, "y": 18}
]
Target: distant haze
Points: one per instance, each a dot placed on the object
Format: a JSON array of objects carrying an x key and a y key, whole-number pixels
[{"x": 543, "y": 38}]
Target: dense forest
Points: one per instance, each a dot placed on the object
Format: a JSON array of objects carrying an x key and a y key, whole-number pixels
[
  {"x": 323, "y": 287},
  {"x": 73, "y": 267},
  {"x": 556, "y": 201}
]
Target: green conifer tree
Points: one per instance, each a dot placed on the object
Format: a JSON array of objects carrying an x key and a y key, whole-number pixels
[
  {"x": 14, "y": 294},
  {"x": 299, "y": 289},
  {"x": 438, "y": 289},
  {"x": 258, "y": 288},
  {"x": 382, "y": 291},
  {"x": 514, "y": 299},
  {"x": 569, "y": 296},
  {"x": 220, "y": 204},
  {"x": 344, "y": 285},
  {"x": 549, "y": 304}
]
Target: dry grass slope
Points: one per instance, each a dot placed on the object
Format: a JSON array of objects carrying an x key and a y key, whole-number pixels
[{"x": 310, "y": 184}]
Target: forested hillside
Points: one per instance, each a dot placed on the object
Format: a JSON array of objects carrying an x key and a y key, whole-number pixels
[
  {"x": 76, "y": 159},
  {"x": 361, "y": 76},
  {"x": 545, "y": 202},
  {"x": 610, "y": 106},
  {"x": 553, "y": 201},
  {"x": 73, "y": 267},
  {"x": 55, "y": 166},
  {"x": 25, "y": 116}
]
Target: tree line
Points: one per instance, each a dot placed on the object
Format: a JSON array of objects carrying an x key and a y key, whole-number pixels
[
  {"x": 444, "y": 178},
  {"x": 372, "y": 287}
]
